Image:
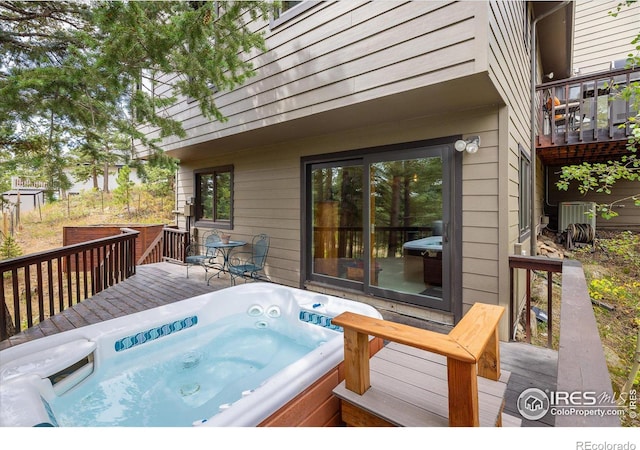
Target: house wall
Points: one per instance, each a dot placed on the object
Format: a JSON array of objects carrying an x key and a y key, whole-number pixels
[
  {"x": 509, "y": 68},
  {"x": 267, "y": 196},
  {"x": 340, "y": 54},
  {"x": 629, "y": 214},
  {"x": 28, "y": 201},
  {"x": 366, "y": 55},
  {"x": 595, "y": 43},
  {"x": 600, "y": 39}
]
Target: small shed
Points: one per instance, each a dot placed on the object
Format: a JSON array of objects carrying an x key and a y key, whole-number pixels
[{"x": 28, "y": 198}]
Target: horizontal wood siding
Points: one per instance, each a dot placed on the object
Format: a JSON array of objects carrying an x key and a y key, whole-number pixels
[
  {"x": 267, "y": 192},
  {"x": 342, "y": 53},
  {"x": 595, "y": 42},
  {"x": 622, "y": 194},
  {"x": 509, "y": 70}
]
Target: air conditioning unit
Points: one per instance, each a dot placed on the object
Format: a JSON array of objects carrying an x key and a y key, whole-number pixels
[{"x": 576, "y": 212}]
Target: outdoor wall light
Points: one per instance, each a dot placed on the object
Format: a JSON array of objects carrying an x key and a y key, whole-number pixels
[{"x": 471, "y": 145}]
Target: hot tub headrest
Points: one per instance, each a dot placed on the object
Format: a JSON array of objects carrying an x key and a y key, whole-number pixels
[{"x": 23, "y": 406}]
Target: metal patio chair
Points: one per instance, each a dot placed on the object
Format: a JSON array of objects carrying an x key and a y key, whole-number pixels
[
  {"x": 203, "y": 255},
  {"x": 250, "y": 265}
]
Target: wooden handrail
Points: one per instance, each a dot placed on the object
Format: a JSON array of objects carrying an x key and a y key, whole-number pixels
[
  {"x": 531, "y": 263},
  {"x": 52, "y": 280},
  {"x": 577, "y": 110},
  {"x": 153, "y": 254},
  {"x": 582, "y": 366},
  {"x": 471, "y": 349},
  {"x": 174, "y": 246}
]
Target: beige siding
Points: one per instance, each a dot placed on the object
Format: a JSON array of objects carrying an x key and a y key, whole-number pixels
[
  {"x": 344, "y": 53},
  {"x": 380, "y": 53},
  {"x": 621, "y": 197},
  {"x": 601, "y": 38},
  {"x": 267, "y": 193},
  {"x": 509, "y": 69}
]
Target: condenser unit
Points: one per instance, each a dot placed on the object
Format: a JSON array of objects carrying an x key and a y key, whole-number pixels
[{"x": 576, "y": 212}]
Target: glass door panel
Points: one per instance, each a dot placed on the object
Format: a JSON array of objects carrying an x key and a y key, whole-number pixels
[
  {"x": 337, "y": 246},
  {"x": 406, "y": 209}
]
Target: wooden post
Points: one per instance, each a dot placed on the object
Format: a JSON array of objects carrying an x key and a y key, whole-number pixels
[
  {"x": 489, "y": 362},
  {"x": 463, "y": 394},
  {"x": 356, "y": 361}
]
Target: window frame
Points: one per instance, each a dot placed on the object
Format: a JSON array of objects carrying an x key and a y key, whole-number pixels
[
  {"x": 214, "y": 222},
  {"x": 292, "y": 12},
  {"x": 524, "y": 193},
  {"x": 452, "y": 215}
]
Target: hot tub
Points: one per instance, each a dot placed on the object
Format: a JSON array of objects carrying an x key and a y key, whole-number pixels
[
  {"x": 423, "y": 259},
  {"x": 228, "y": 358}
]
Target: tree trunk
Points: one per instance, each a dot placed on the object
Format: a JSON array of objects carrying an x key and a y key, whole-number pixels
[
  {"x": 94, "y": 176},
  {"x": 105, "y": 181},
  {"x": 10, "y": 329}
]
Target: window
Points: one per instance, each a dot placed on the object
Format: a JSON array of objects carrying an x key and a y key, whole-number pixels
[
  {"x": 380, "y": 221},
  {"x": 214, "y": 197},
  {"x": 289, "y": 10},
  {"x": 524, "y": 215}
]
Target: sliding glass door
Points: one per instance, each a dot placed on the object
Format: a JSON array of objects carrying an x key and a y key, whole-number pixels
[{"x": 378, "y": 223}]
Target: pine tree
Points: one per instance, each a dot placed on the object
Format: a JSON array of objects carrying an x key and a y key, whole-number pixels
[
  {"x": 123, "y": 193},
  {"x": 9, "y": 248},
  {"x": 76, "y": 68}
]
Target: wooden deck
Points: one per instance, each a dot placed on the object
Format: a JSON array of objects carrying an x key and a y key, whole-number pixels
[{"x": 163, "y": 283}]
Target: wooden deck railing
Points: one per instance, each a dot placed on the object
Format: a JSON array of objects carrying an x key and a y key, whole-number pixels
[
  {"x": 585, "y": 109},
  {"x": 471, "y": 348},
  {"x": 174, "y": 245},
  {"x": 582, "y": 366},
  {"x": 531, "y": 263},
  {"x": 154, "y": 252},
  {"x": 53, "y": 280}
]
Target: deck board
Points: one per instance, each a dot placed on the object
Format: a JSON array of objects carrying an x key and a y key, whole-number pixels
[{"x": 163, "y": 283}]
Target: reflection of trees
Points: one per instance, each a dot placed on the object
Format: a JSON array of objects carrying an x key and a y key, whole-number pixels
[
  {"x": 339, "y": 190},
  {"x": 407, "y": 194}
]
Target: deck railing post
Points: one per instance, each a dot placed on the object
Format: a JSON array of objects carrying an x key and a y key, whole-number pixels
[
  {"x": 463, "y": 394},
  {"x": 356, "y": 361}
]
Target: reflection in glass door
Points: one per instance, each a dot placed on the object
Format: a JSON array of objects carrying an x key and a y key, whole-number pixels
[
  {"x": 406, "y": 209},
  {"x": 337, "y": 246},
  {"x": 378, "y": 223}
]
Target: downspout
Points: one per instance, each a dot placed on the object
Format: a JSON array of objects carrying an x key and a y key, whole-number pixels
[{"x": 534, "y": 56}]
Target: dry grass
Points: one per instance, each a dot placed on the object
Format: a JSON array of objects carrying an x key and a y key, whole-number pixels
[{"x": 42, "y": 230}]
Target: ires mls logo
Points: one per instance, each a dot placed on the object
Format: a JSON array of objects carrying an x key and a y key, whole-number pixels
[{"x": 533, "y": 403}]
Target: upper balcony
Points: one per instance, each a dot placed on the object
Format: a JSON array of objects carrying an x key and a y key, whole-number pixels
[{"x": 585, "y": 118}]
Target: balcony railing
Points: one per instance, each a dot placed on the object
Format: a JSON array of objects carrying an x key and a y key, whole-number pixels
[
  {"x": 586, "y": 109},
  {"x": 28, "y": 183},
  {"x": 53, "y": 280}
]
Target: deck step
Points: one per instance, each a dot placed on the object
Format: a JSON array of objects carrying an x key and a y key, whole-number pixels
[{"x": 409, "y": 389}]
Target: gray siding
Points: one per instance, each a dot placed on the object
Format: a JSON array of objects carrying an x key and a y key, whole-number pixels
[
  {"x": 342, "y": 53},
  {"x": 601, "y": 38}
]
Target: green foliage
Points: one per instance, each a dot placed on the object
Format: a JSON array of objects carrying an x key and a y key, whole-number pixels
[
  {"x": 626, "y": 247},
  {"x": 600, "y": 177},
  {"x": 159, "y": 180},
  {"x": 9, "y": 248},
  {"x": 122, "y": 194},
  {"x": 82, "y": 72}
]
